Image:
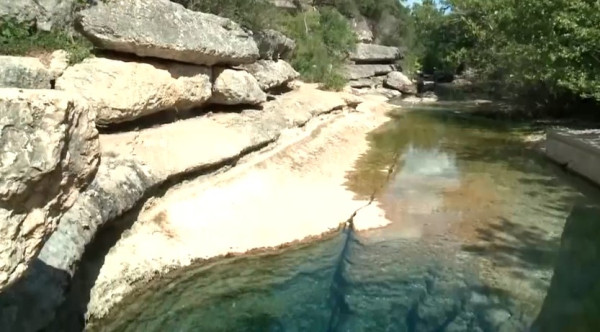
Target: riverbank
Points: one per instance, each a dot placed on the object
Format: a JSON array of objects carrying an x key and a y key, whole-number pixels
[{"x": 289, "y": 191}]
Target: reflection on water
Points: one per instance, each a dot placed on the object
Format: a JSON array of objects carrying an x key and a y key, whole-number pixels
[{"x": 475, "y": 238}]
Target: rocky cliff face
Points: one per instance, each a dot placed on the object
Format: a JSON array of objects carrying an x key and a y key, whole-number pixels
[
  {"x": 45, "y": 14},
  {"x": 61, "y": 182},
  {"x": 48, "y": 152}
]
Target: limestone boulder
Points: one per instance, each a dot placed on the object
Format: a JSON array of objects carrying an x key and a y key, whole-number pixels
[
  {"x": 271, "y": 74},
  {"x": 24, "y": 73},
  {"x": 356, "y": 72},
  {"x": 164, "y": 29},
  {"x": 46, "y": 14},
  {"x": 49, "y": 150},
  {"x": 122, "y": 91},
  {"x": 274, "y": 45},
  {"x": 236, "y": 87},
  {"x": 399, "y": 81},
  {"x": 59, "y": 62},
  {"x": 372, "y": 53}
]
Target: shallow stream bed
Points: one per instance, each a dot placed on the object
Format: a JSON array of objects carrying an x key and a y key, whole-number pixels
[{"x": 485, "y": 235}]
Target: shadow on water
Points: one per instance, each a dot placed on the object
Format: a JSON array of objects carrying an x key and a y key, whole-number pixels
[
  {"x": 508, "y": 208},
  {"x": 573, "y": 299}
]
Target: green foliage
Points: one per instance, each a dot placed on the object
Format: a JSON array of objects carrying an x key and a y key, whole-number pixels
[
  {"x": 546, "y": 51},
  {"x": 23, "y": 39},
  {"x": 323, "y": 39},
  {"x": 252, "y": 14}
]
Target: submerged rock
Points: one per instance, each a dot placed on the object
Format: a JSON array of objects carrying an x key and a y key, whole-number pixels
[
  {"x": 121, "y": 91},
  {"x": 271, "y": 74},
  {"x": 163, "y": 29},
  {"x": 48, "y": 152},
  {"x": 236, "y": 87}
]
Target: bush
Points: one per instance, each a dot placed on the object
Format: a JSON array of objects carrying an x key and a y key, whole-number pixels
[
  {"x": 323, "y": 39},
  {"x": 22, "y": 39}
]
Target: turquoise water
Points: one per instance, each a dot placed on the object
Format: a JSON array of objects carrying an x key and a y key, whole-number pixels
[{"x": 486, "y": 235}]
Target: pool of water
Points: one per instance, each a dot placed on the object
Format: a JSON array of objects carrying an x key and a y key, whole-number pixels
[{"x": 486, "y": 235}]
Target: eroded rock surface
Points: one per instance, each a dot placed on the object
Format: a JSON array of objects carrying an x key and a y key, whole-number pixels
[
  {"x": 355, "y": 72},
  {"x": 46, "y": 14},
  {"x": 271, "y": 74},
  {"x": 24, "y": 73},
  {"x": 122, "y": 91},
  {"x": 303, "y": 169},
  {"x": 400, "y": 82},
  {"x": 372, "y": 53},
  {"x": 48, "y": 152},
  {"x": 163, "y": 29},
  {"x": 274, "y": 45},
  {"x": 236, "y": 87}
]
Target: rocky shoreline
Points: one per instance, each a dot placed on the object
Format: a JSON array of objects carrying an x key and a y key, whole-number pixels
[{"x": 165, "y": 118}]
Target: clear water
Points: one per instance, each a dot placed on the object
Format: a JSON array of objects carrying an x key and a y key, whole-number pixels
[{"x": 486, "y": 235}]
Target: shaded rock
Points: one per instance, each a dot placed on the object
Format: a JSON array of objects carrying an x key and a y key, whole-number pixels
[
  {"x": 271, "y": 74},
  {"x": 355, "y": 72},
  {"x": 23, "y": 72},
  {"x": 274, "y": 45},
  {"x": 163, "y": 29},
  {"x": 46, "y": 15},
  {"x": 367, "y": 82},
  {"x": 122, "y": 91},
  {"x": 48, "y": 151},
  {"x": 400, "y": 82},
  {"x": 362, "y": 29},
  {"x": 236, "y": 87},
  {"x": 372, "y": 53}
]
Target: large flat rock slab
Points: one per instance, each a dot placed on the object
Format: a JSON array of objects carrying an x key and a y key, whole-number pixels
[
  {"x": 358, "y": 71},
  {"x": 296, "y": 191},
  {"x": 372, "y": 53},
  {"x": 577, "y": 150},
  {"x": 164, "y": 29},
  {"x": 121, "y": 91}
]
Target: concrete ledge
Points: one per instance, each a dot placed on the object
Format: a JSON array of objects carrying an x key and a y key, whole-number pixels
[{"x": 578, "y": 151}]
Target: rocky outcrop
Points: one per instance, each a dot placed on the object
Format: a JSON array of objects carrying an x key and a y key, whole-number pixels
[
  {"x": 355, "y": 72},
  {"x": 274, "y": 45},
  {"x": 362, "y": 29},
  {"x": 236, "y": 87},
  {"x": 271, "y": 74},
  {"x": 48, "y": 152},
  {"x": 163, "y": 29},
  {"x": 23, "y": 72},
  {"x": 121, "y": 91},
  {"x": 46, "y": 15},
  {"x": 133, "y": 164},
  {"x": 399, "y": 81},
  {"x": 371, "y": 53}
]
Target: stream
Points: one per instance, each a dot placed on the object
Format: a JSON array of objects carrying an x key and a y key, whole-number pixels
[{"x": 486, "y": 234}]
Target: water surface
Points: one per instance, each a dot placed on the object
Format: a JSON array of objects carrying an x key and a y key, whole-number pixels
[{"x": 477, "y": 233}]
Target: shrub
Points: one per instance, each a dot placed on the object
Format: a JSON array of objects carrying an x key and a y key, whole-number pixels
[
  {"x": 22, "y": 39},
  {"x": 323, "y": 38},
  {"x": 323, "y": 41}
]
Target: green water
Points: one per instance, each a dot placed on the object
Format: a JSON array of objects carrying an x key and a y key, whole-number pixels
[{"x": 486, "y": 235}]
